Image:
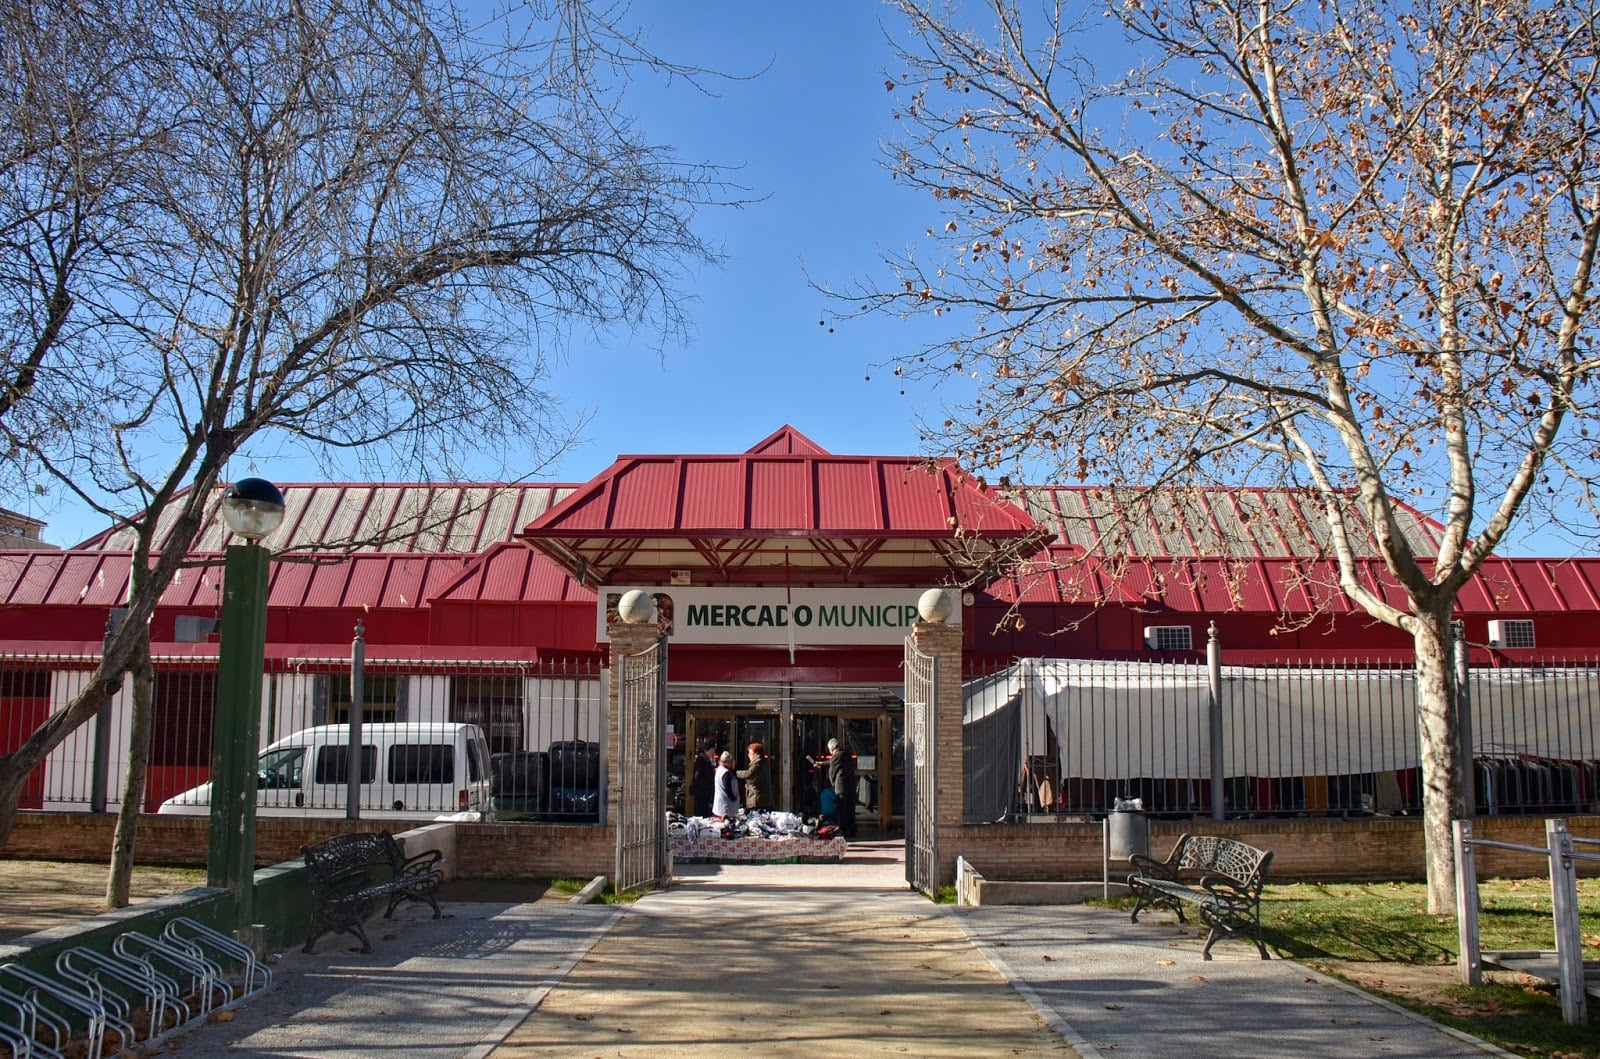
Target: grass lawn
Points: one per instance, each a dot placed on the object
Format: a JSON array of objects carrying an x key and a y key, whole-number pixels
[{"x": 1380, "y": 937}]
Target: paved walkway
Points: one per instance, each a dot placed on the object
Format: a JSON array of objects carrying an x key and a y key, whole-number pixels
[{"x": 811, "y": 960}]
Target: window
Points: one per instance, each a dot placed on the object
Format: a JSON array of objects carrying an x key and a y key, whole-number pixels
[
  {"x": 333, "y": 767},
  {"x": 422, "y": 763},
  {"x": 380, "y": 698},
  {"x": 1168, "y": 638},
  {"x": 493, "y": 703},
  {"x": 183, "y": 703},
  {"x": 1511, "y": 633},
  {"x": 280, "y": 769}
]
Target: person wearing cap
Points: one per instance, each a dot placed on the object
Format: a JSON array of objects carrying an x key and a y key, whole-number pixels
[
  {"x": 725, "y": 799},
  {"x": 842, "y": 778}
]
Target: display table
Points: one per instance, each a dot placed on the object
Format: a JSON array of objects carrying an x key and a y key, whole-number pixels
[{"x": 752, "y": 849}]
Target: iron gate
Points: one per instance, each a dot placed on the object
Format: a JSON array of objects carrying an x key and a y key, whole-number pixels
[
  {"x": 641, "y": 768},
  {"x": 922, "y": 846}
]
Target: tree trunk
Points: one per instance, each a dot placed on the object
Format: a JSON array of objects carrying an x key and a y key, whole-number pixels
[
  {"x": 1437, "y": 726},
  {"x": 122, "y": 844}
]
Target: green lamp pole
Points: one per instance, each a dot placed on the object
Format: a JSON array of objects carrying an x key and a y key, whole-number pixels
[{"x": 252, "y": 508}]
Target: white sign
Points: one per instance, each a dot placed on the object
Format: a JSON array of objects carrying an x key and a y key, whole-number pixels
[{"x": 777, "y": 616}]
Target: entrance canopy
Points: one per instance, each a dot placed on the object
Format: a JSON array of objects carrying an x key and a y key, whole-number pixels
[{"x": 785, "y": 512}]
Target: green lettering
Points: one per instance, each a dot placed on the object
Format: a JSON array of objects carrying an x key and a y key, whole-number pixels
[{"x": 700, "y": 614}]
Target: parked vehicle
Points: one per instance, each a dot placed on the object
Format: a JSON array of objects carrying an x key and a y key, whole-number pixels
[{"x": 409, "y": 770}]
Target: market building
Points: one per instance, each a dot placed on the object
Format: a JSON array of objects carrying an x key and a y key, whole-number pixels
[{"x": 785, "y": 580}]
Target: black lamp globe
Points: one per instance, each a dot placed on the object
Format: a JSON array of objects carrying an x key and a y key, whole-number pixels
[{"x": 252, "y": 508}]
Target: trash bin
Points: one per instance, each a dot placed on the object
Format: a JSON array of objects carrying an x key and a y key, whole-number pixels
[{"x": 1127, "y": 830}]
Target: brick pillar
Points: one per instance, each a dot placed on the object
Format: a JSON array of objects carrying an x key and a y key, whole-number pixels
[
  {"x": 943, "y": 642},
  {"x": 625, "y": 640}
]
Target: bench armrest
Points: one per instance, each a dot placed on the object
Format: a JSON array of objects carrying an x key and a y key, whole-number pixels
[
  {"x": 1151, "y": 868},
  {"x": 421, "y": 864}
]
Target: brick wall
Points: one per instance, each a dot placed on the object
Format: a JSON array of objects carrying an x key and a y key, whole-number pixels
[
  {"x": 482, "y": 850},
  {"x": 1380, "y": 848}
]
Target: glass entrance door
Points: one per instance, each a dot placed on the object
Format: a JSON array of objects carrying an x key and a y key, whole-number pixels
[
  {"x": 875, "y": 735},
  {"x": 734, "y": 730}
]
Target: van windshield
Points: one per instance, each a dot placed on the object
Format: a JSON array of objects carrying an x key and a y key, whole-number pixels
[{"x": 279, "y": 770}]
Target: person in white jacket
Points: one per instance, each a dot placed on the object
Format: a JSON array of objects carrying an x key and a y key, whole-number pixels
[{"x": 725, "y": 795}]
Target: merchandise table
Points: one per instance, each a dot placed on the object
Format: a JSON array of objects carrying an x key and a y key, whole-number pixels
[{"x": 754, "y": 849}]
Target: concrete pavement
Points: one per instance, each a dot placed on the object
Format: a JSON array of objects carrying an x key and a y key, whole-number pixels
[{"x": 803, "y": 960}]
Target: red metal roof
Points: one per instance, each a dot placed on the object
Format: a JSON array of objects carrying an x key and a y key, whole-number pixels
[
  {"x": 512, "y": 573},
  {"x": 1292, "y": 585},
  {"x": 420, "y": 517},
  {"x": 784, "y": 512},
  {"x": 1212, "y": 521},
  {"x": 100, "y": 579}
]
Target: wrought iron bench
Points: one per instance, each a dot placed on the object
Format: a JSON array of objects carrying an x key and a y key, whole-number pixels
[
  {"x": 1222, "y": 877},
  {"x": 352, "y": 874}
]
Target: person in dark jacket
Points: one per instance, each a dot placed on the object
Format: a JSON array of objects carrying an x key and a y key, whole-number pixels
[
  {"x": 702, "y": 781},
  {"x": 758, "y": 780},
  {"x": 842, "y": 779}
]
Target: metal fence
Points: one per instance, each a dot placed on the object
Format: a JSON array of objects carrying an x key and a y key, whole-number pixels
[
  {"x": 544, "y": 727},
  {"x": 1052, "y": 736}
]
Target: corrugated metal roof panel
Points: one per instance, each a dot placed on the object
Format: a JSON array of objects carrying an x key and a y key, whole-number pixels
[
  {"x": 92, "y": 580},
  {"x": 1577, "y": 580},
  {"x": 1261, "y": 522},
  {"x": 462, "y": 533},
  {"x": 1232, "y": 536},
  {"x": 645, "y": 496},
  {"x": 920, "y": 501},
  {"x": 326, "y": 588},
  {"x": 713, "y": 495},
  {"x": 781, "y": 494},
  {"x": 850, "y": 495},
  {"x": 29, "y": 581},
  {"x": 291, "y": 584}
]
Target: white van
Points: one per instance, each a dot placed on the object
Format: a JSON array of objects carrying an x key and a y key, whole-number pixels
[{"x": 414, "y": 770}]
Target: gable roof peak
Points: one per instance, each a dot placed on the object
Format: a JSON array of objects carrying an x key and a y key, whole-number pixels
[{"x": 786, "y": 441}]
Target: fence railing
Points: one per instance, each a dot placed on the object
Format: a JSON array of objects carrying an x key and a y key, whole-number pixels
[
  {"x": 1054, "y": 736},
  {"x": 544, "y": 725}
]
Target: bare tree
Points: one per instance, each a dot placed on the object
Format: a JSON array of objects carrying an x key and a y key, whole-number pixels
[
  {"x": 358, "y": 225},
  {"x": 1346, "y": 246}
]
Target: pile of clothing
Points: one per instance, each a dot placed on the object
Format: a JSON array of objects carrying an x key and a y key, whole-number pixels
[{"x": 760, "y": 824}]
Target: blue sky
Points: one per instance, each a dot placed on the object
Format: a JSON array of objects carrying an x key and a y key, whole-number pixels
[
  {"x": 802, "y": 138},
  {"x": 802, "y": 134}
]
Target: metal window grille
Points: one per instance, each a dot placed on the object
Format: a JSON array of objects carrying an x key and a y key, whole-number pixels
[{"x": 1169, "y": 638}]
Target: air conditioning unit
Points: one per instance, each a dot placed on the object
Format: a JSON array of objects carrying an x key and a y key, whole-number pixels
[
  {"x": 1168, "y": 638},
  {"x": 1511, "y": 632}
]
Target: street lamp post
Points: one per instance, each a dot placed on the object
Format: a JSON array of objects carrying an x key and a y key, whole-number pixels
[{"x": 252, "y": 508}]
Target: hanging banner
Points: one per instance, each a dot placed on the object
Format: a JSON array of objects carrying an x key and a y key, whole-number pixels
[{"x": 777, "y": 617}]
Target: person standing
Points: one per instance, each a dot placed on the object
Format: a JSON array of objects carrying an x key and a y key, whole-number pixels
[
  {"x": 725, "y": 794},
  {"x": 757, "y": 777},
  {"x": 842, "y": 780},
  {"x": 703, "y": 780}
]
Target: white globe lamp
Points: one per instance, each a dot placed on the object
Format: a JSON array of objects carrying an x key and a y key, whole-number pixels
[{"x": 252, "y": 508}]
